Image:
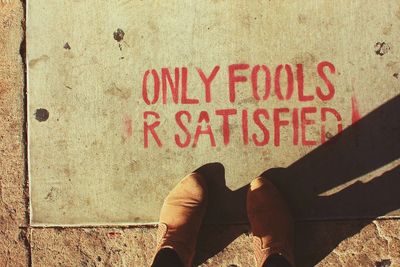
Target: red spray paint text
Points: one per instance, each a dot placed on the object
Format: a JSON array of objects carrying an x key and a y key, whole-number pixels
[{"x": 259, "y": 126}]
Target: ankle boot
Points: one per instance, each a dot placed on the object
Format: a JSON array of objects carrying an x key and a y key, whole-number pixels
[
  {"x": 181, "y": 217},
  {"x": 270, "y": 221}
]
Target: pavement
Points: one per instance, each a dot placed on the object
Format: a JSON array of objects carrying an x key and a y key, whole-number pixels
[{"x": 370, "y": 240}]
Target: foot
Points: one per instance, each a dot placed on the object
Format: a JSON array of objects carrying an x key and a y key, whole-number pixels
[
  {"x": 270, "y": 221},
  {"x": 181, "y": 217}
]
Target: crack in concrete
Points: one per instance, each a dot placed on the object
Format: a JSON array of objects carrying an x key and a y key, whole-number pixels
[
  {"x": 380, "y": 233},
  {"x": 22, "y": 53}
]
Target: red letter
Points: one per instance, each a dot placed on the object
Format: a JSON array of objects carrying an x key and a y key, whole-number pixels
[
  {"x": 295, "y": 121},
  {"x": 166, "y": 76},
  {"x": 207, "y": 81},
  {"x": 185, "y": 99},
  {"x": 324, "y": 111},
  {"x": 257, "y": 120},
  {"x": 234, "y": 79},
  {"x": 355, "y": 113},
  {"x": 254, "y": 82},
  {"x": 289, "y": 73},
  {"x": 300, "y": 84},
  {"x": 225, "y": 113},
  {"x": 278, "y": 123},
  {"x": 245, "y": 127},
  {"x": 304, "y": 123},
  {"x": 204, "y": 117},
  {"x": 156, "y": 87},
  {"x": 178, "y": 119},
  {"x": 151, "y": 128},
  {"x": 128, "y": 126},
  {"x": 330, "y": 86}
]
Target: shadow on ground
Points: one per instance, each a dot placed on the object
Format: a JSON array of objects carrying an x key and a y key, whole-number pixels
[{"x": 367, "y": 145}]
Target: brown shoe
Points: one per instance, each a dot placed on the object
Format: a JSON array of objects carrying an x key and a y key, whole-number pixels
[
  {"x": 181, "y": 217},
  {"x": 270, "y": 221}
]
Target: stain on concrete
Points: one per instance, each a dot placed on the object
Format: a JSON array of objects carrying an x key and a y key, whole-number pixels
[
  {"x": 68, "y": 172},
  {"x": 392, "y": 64},
  {"x": 34, "y": 62},
  {"x": 387, "y": 29},
  {"x": 382, "y": 48},
  {"x": 128, "y": 127},
  {"x": 247, "y": 100},
  {"x": 52, "y": 195},
  {"x": 398, "y": 13},
  {"x": 113, "y": 235},
  {"x": 119, "y": 35},
  {"x": 307, "y": 59},
  {"x": 122, "y": 93},
  {"x": 152, "y": 26},
  {"x": 42, "y": 114},
  {"x": 302, "y": 19}
]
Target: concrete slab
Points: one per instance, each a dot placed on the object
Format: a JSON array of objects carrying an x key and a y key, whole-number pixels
[
  {"x": 351, "y": 243},
  {"x": 121, "y": 107}
]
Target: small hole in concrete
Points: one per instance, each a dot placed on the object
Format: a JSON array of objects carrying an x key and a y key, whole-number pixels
[
  {"x": 67, "y": 46},
  {"x": 42, "y": 114},
  {"x": 382, "y": 48},
  {"x": 119, "y": 35},
  {"x": 328, "y": 135}
]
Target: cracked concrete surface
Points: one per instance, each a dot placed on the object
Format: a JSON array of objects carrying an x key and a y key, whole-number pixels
[
  {"x": 14, "y": 250},
  {"x": 320, "y": 243}
]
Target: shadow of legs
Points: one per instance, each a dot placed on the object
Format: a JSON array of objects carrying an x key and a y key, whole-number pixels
[
  {"x": 369, "y": 144},
  {"x": 224, "y": 206}
]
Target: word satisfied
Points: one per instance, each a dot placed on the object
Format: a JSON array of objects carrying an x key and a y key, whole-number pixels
[{"x": 259, "y": 126}]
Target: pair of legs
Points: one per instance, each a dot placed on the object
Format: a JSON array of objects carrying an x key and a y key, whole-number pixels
[{"x": 182, "y": 215}]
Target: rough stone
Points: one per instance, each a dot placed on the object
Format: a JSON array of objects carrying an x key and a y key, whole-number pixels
[
  {"x": 334, "y": 243},
  {"x": 349, "y": 243},
  {"x": 13, "y": 199}
]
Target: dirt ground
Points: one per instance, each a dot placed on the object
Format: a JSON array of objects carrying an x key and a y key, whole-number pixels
[{"x": 319, "y": 243}]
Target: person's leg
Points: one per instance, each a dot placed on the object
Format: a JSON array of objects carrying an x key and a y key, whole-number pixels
[
  {"x": 277, "y": 261},
  {"x": 167, "y": 257},
  {"x": 180, "y": 219},
  {"x": 271, "y": 224}
]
